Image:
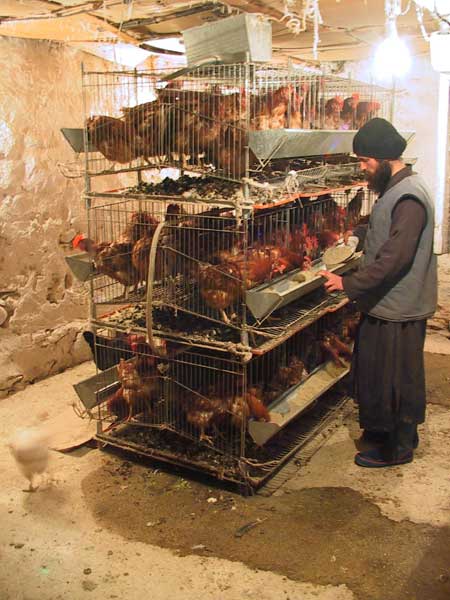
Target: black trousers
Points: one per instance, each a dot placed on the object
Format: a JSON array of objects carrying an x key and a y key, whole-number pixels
[{"x": 389, "y": 376}]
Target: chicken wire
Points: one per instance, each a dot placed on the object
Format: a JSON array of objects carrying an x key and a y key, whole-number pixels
[
  {"x": 208, "y": 397},
  {"x": 201, "y": 120},
  {"x": 206, "y": 260}
]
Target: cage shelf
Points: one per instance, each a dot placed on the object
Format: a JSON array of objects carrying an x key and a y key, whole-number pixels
[{"x": 263, "y": 338}]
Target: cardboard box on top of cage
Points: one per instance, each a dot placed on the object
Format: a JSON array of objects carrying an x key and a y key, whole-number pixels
[{"x": 245, "y": 37}]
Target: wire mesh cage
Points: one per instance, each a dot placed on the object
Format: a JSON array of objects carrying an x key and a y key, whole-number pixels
[
  {"x": 211, "y": 117},
  {"x": 186, "y": 261},
  {"x": 227, "y": 406}
]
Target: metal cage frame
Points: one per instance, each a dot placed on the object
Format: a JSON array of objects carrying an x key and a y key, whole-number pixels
[{"x": 229, "y": 120}]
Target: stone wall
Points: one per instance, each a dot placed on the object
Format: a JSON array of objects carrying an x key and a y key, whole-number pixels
[
  {"x": 415, "y": 109},
  {"x": 40, "y": 211}
]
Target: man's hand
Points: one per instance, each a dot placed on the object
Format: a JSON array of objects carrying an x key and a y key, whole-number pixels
[
  {"x": 333, "y": 283},
  {"x": 347, "y": 235}
]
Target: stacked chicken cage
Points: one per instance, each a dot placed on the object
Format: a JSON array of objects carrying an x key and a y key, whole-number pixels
[{"x": 211, "y": 329}]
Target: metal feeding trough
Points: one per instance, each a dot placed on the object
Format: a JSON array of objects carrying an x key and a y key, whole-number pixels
[
  {"x": 75, "y": 138},
  {"x": 264, "y": 299},
  {"x": 81, "y": 266},
  {"x": 94, "y": 390},
  {"x": 295, "y": 400},
  {"x": 289, "y": 143}
]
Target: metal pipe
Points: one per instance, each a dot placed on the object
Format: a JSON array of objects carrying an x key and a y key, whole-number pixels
[{"x": 169, "y": 16}]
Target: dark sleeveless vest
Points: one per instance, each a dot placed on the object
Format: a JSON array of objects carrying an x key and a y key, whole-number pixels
[{"x": 413, "y": 294}]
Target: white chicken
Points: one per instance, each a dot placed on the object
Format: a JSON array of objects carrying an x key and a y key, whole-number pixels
[{"x": 30, "y": 448}]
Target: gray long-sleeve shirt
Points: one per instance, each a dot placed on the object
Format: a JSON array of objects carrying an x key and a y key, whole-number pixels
[{"x": 408, "y": 221}]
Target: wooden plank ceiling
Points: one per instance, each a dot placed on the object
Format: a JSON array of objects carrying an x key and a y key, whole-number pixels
[{"x": 349, "y": 31}]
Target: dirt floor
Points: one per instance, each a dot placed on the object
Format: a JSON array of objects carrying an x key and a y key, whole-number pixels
[
  {"x": 335, "y": 535},
  {"x": 437, "y": 368},
  {"x": 115, "y": 527},
  {"x": 321, "y": 535}
]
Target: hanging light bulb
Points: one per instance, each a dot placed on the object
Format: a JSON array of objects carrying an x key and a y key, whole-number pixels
[{"x": 392, "y": 57}]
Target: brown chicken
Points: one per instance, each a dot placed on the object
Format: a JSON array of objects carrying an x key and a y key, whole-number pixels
[
  {"x": 138, "y": 388},
  {"x": 335, "y": 349},
  {"x": 296, "y": 117},
  {"x": 140, "y": 258},
  {"x": 248, "y": 406},
  {"x": 111, "y": 258},
  {"x": 205, "y": 412},
  {"x": 353, "y": 211},
  {"x": 115, "y": 259},
  {"x": 144, "y": 123},
  {"x": 333, "y": 108},
  {"x": 139, "y": 233},
  {"x": 366, "y": 111},
  {"x": 141, "y": 223},
  {"x": 350, "y": 325},
  {"x": 222, "y": 285},
  {"x": 269, "y": 110},
  {"x": 255, "y": 401},
  {"x": 193, "y": 122},
  {"x": 327, "y": 221},
  {"x": 286, "y": 377},
  {"x": 116, "y": 404},
  {"x": 230, "y": 107},
  {"x": 341, "y": 347},
  {"x": 227, "y": 152},
  {"x": 348, "y": 112},
  {"x": 305, "y": 244},
  {"x": 112, "y": 138}
]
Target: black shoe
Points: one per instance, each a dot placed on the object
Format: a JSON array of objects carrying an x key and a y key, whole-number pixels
[{"x": 376, "y": 458}]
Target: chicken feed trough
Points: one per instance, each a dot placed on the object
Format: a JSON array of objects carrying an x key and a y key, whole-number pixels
[
  {"x": 269, "y": 297},
  {"x": 81, "y": 265}
]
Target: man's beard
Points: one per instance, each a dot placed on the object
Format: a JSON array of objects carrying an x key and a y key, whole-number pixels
[{"x": 379, "y": 180}]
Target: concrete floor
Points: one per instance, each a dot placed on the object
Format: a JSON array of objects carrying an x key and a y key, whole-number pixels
[{"x": 53, "y": 545}]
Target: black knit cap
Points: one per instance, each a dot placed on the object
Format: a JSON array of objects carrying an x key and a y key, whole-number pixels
[{"x": 379, "y": 139}]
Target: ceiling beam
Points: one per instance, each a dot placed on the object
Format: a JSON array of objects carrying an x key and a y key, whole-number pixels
[{"x": 169, "y": 16}]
